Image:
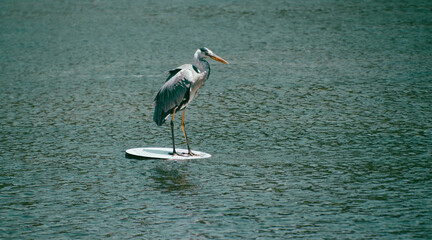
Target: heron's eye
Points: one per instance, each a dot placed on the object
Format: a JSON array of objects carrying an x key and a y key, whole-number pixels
[{"x": 204, "y": 50}]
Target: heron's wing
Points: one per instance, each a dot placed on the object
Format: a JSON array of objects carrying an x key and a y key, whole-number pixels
[
  {"x": 172, "y": 95},
  {"x": 172, "y": 73}
]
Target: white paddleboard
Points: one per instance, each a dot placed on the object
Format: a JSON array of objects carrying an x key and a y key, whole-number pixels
[{"x": 165, "y": 153}]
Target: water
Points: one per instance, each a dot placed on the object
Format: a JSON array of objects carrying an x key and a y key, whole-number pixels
[{"x": 320, "y": 127}]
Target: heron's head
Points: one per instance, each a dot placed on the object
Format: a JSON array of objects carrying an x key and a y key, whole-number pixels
[{"x": 205, "y": 52}]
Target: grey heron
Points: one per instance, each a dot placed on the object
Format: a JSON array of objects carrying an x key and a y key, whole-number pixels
[{"x": 180, "y": 88}]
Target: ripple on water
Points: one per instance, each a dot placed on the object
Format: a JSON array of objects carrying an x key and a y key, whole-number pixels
[{"x": 320, "y": 126}]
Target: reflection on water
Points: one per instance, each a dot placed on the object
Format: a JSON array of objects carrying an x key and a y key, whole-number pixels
[
  {"x": 169, "y": 178},
  {"x": 320, "y": 126}
]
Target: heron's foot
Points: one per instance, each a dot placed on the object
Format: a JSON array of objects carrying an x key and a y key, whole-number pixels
[
  {"x": 190, "y": 153},
  {"x": 179, "y": 154}
]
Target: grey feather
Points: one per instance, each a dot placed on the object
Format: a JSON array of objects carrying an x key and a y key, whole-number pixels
[
  {"x": 172, "y": 73},
  {"x": 172, "y": 95}
]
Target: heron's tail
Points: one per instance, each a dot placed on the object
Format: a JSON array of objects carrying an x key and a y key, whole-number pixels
[{"x": 159, "y": 115}]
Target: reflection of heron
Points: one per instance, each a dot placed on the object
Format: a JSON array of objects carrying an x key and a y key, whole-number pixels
[{"x": 180, "y": 88}]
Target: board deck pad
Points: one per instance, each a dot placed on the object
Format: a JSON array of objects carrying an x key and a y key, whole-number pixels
[{"x": 165, "y": 153}]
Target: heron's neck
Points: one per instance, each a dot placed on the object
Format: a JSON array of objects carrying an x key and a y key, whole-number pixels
[{"x": 203, "y": 66}]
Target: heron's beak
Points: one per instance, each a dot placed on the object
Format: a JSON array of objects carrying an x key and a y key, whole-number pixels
[{"x": 219, "y": 59}]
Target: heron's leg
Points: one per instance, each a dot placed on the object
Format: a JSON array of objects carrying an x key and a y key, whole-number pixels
[
  {"x": 172, "y": 132},
  {"x": 184, "y": 132}
]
